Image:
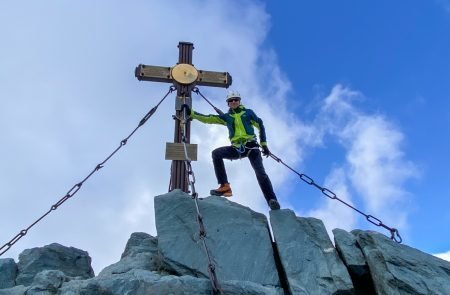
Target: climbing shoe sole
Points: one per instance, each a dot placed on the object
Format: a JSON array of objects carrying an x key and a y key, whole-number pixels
[{"x": 221, "y": 194}]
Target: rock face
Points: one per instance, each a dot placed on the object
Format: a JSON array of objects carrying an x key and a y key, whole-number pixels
[
  {"x": 348, "y": 248},
  {"x": 309, "y": 259},
  {"x": 71, "y": 261},
  {"x": 141, "y": 252},
  {"x": 399, "y": 269},
  {"x": 353, "y": 257},
  {"x": 142, "y": 282},
  {"x": 8, "y": 273},
  {"x": 237, "y": 237},
  {"x": 47, "y": 281},
  {"x": 301, "y": 261}
]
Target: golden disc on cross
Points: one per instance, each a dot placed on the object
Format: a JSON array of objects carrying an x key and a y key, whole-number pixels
[{"x": 184, "y": 74}]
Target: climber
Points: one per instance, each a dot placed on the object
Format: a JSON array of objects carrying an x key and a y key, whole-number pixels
[{"x": 240, "y": 122}]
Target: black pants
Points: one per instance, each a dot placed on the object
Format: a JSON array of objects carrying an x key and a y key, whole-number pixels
[{"x": 254, "y": 155}]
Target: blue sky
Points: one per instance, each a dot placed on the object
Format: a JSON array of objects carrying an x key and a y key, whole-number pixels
[
  {"x": 396, "y": 55},
  {"x": 352, "y": 94}
]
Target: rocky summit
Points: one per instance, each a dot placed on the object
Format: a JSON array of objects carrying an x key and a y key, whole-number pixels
[{"x": 298, "y": 258}]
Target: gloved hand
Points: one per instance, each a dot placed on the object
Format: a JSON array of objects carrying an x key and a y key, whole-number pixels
[
  {"x": 266, "y": 151},
  {"x": 188, "y": 109}
]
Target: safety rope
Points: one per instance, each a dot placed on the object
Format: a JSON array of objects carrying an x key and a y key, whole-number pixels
[
  {"x": 395, "y": 235},
  {"x": 191, "y": 181},
  {"x": 77, "y": 186}
]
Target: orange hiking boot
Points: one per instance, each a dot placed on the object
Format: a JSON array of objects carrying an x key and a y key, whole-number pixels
[{"x": 223, "y": 190}]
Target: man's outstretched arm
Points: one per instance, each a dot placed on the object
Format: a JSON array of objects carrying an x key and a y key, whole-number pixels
[{"x": 208, "y": 119}]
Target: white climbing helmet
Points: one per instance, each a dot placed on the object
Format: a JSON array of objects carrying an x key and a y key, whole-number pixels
[{"x": 233, "y": 94}]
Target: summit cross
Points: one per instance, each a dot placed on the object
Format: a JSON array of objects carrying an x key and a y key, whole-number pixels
[{"x": 184, "y": 77}]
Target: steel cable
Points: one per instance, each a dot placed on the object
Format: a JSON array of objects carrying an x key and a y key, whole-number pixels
[
  {"x": 395, "y": 235},
  {"x": 202, "y": 231},
  {"x": 77, "y": 186}
]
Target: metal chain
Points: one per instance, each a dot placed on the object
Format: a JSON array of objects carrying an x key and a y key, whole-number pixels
[
  {"x": 202, "y": 231},
  {"x": 395, "y": 235},
  {"x": 77, "y": 186}
]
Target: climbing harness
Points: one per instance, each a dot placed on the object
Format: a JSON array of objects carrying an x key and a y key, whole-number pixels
[
  {"x": 242, "y": 148},
  {"x": 191, "y": 181},
  {"x": 77, "y": 186},
  {"x": 395, "y": 235}
]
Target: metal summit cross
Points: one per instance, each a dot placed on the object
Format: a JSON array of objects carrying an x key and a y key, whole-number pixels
[{"x": 184, "y": 76}]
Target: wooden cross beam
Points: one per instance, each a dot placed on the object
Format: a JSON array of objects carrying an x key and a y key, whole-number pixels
[{"x": 184, "y": 76}]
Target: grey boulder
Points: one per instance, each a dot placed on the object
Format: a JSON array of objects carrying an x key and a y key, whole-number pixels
[
  {"x": 140, "y": 243},
  {"x": 71, "y": 261},
  {"x": 310, "y": 261},
  {"x": 353, "y": 257},
  {"x": 8, "y": 273},
  {"x": 17, "y": 290},
  {"x": 141, "y": 252},
  {"x": 47, "y": 282},
  {"x": 143, "y": 282},
  {"x": 238, "y": 239},
  {"x": 399, "y": 269}
]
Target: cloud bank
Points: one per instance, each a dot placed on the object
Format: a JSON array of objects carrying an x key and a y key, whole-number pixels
[{"x": 374, "y": 172}]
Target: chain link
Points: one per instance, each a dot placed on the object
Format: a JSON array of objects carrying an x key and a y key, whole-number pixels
[
  {"x": 202, "y": 231},
  {"x": 78, "y": 186},
  {"x": 395, "y": 235}
]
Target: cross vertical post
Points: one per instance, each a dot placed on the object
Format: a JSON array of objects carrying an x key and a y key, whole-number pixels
[
  {"x": 179, "y": 178},
  {"x": 184, "y": 76}
]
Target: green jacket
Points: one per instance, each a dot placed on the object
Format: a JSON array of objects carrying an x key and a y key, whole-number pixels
[{"x": 240, "y": 123}]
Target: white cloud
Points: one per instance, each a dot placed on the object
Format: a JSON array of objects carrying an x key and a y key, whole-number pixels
[
  {"x": 375, "y": 166},
  {"x": 335, "y": 214},
  {"x": 445, "y": 255}
]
